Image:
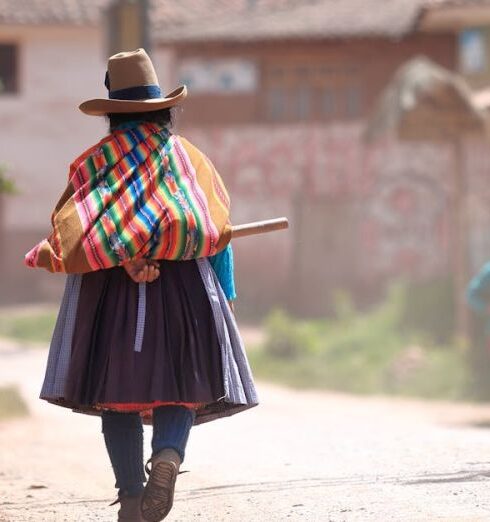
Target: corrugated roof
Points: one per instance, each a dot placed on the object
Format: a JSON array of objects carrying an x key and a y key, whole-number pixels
[
  {"x": 302, "y": 19},
  {"x": 242, "y": 20},
  {"x": 247, "y": 20},
  {"x": 51, "y": 12},
  {"x": 164, "y": 12},
  {"x": 456, "y": 3}
]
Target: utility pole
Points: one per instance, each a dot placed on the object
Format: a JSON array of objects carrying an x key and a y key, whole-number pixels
[{"x": 128, "y": 26}]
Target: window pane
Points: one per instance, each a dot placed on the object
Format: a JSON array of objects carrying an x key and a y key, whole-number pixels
[
  {"x": 353, "y": 102},
  {"x": 472, "y": 51},
  {"x": 328, "y": 102},
  {"x": 8, "y": 69},
  {"x": 276, "y": 103},
  {"x": 303, "y": 103}
]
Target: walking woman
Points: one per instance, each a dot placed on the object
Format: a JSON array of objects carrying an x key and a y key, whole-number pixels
[{"x": 145, "y": 331}]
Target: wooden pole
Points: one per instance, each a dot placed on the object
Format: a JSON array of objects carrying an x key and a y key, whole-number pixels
[
  {"x": 259, "y": 227},
  {"x": 128, "y": 25}
]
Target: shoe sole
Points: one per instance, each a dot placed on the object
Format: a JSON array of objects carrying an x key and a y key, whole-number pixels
[{"x": 158, "y": 496}]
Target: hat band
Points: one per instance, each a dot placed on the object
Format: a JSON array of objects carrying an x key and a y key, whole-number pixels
[{"x": 143, "y": 92}]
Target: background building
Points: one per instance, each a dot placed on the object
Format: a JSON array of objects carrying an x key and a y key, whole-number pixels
[{"x": 279, "y": 94}]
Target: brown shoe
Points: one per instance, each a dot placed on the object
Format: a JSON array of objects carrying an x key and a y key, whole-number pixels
[
  {"x": 130, "y": 510},
  {"x": 158, "y": 496}
]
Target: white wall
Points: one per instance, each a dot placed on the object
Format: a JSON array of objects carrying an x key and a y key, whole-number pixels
[{"x": 41, "y": 128}]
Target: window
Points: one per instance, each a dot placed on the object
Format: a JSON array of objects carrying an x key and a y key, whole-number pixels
[
  {"x": 276, "y": 104},
  {"x": 473, "y": 51},
  {"x": 353, "y": 101},
  {"x": 316, "y": 91},
  {"x": 303, "y": 103},
  {"x": 8, "y": 69},
  {"x": 328, "y": 102},
  {"x": 219, "y": 76}
]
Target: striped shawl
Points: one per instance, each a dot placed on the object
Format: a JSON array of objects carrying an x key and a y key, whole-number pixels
[{"x": 140, "y": 192}]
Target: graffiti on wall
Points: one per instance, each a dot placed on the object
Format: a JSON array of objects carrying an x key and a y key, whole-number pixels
[
  {"x": 407, "y": 207},
  {"x": 280, "y": 161},
  {"x": 402, "y": 192}
]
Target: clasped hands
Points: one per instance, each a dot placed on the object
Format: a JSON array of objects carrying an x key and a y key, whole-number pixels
[
  {"x": 142, "y": 270},
  {"x": 146, "y": 271}
]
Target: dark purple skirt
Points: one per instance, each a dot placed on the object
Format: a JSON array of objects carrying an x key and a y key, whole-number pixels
[{"x": 180, "y": 358}]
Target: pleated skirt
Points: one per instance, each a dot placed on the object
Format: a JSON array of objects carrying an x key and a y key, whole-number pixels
[{"x": 119, "y": 345}]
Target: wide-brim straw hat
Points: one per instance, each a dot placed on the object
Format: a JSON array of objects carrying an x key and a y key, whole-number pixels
[{"x": 133, "y": 87}]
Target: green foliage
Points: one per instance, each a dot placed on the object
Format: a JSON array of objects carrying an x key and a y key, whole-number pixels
[
  {"x": 32, "y": 327},
  {"x": 7, "y": 186},
  {"x": 440, "y": 373},
  {"x": 11, "y": 403},
  {"x": 373, "y": 352},
  {"x": 429, "y": 307},
  {"x": 288, "y": 338}
]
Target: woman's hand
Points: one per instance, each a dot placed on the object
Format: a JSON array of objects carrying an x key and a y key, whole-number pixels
[{"x": 142, "y": 270}]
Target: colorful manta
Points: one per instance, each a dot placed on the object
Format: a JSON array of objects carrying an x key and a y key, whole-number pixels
[{"x": 140, "y": 192}]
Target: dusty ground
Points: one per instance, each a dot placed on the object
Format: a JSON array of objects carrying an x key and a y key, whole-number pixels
[{"x": 299, "y": 456}]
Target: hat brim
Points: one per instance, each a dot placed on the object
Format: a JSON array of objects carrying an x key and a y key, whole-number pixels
[{"x": 102, "y": 106}]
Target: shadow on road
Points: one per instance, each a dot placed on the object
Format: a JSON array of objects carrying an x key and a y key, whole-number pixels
[{"x": 447, "y": 478}]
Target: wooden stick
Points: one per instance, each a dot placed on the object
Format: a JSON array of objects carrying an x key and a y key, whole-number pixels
[{"x": 259, "y": 227}]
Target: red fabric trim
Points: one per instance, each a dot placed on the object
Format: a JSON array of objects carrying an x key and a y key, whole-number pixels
[{"x": 145, "y": 407}]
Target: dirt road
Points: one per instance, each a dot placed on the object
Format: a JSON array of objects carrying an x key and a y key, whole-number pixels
[{"x": 299, "y": 456}]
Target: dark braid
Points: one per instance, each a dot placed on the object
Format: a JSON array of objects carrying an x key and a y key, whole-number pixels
[{"x": 163, "y": 117}]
